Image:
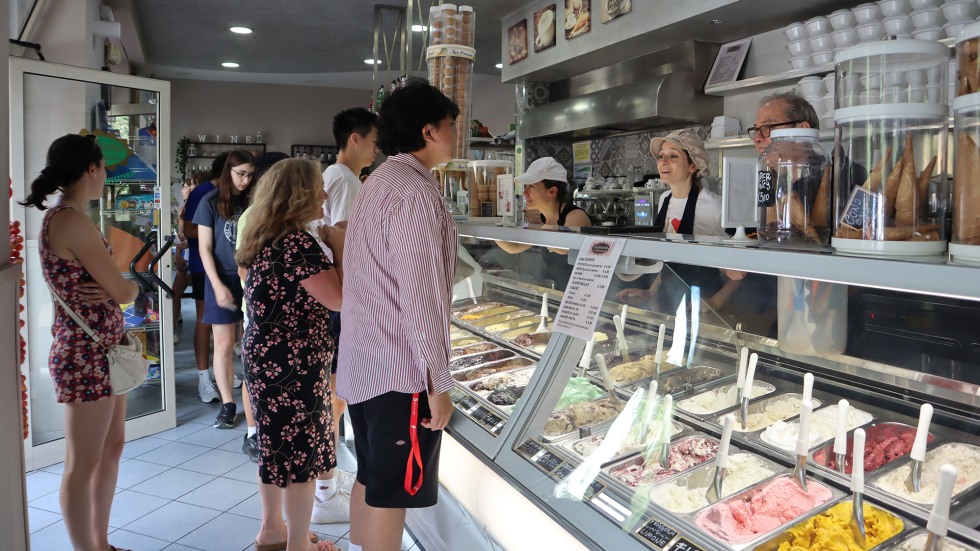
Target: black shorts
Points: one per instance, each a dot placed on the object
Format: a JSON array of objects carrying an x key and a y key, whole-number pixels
[
  {"x": 335, "y": 321},
  {"x": 382, "y": 446},
  {"x": 197, "y": 286}
]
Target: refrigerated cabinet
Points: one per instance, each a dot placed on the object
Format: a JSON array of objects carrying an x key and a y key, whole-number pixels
[{"x": 855, "y": 316}]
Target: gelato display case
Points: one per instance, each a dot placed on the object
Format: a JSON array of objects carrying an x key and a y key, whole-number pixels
[{"x": 618, "y": 438}]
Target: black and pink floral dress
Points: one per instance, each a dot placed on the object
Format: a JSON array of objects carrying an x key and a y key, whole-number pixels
[
  {"x": 287, "y": 350},
  {"x": 78, "y": 365}
]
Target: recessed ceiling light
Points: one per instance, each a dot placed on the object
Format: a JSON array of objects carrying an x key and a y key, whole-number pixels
[
  {"x": 241, "y": 30},
  {"x": 230, "y": 64},
  {"x": 419, "y": 28},
  {"x": 373, "y": 61},
  {"x": 499, "y": 65}
]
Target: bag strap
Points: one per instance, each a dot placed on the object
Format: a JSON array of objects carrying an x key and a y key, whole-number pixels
[
  {"x": 74, "y": 316},
  {"x": 414, "y": 455}
]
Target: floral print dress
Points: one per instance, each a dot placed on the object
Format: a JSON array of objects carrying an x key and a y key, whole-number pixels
[
  {"x": 287, "y": 350},
  {"x": 78, "y": 366}
]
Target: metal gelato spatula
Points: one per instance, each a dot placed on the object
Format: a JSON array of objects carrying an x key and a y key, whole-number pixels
[
  {"x": 607, "y": 380},
  {"x": 665, "y": 430},
  {"x": 857, "y": 489},
  {"x": 939, "y": 518},
  {"x": 660, "y": 350},
  {"x": 840, "y": 441},
  {"x": 543, "y": 326},
  {"x": 714, "y": 492},
  {"x": 914, "y": 482},
  {"x": 622, "y": 347},
  {"x": 802, "y": 445},
  {"x": 743, "y": 412}
]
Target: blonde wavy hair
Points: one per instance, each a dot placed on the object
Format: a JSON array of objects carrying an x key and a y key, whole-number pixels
[{"x": 286, "y": 200}]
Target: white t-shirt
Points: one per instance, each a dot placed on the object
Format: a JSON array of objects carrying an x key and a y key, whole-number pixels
[
  {"x": 341, "y": 185},
  {"x": 707, "y": 214}
]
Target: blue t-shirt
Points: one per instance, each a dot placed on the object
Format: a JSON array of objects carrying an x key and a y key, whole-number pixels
[
  {"x": 225, "y": 229},
  {"x": 190, "y": 207}
]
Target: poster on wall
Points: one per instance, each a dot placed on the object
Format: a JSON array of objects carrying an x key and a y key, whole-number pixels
[
  {"x": 578, "y": 20},
  {"x": 611, "y": 9},
  {"x": 544, "y": 28},
  {"x": 517, "y": 42}
]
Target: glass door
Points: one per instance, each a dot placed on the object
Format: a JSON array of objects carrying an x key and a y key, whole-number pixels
[{"x": 130, "y": 119}]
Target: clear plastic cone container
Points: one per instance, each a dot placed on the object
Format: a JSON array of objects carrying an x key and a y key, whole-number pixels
[{"x": 965, "y": 241}]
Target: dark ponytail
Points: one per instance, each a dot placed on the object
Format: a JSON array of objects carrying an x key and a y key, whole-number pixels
[{"x": 68, "y": 158}]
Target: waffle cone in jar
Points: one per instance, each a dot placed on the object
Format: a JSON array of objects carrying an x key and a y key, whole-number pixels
[
  {"x": 922, "y": 184},
  {"x": 905, "y": 201},
  {"x": 968, "y": 67},
  {"x": 797, "y": 217},
  {"x": 820, "y": 216},
  {"x": 966, "y": 200},
  {"x": 891, "y": 187},
  {"x": 873, "y": 183}
]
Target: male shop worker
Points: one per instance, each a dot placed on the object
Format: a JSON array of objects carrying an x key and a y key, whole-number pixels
[
  {"x": 394, "y": 356},
  {"x": 356, "y": 133}
]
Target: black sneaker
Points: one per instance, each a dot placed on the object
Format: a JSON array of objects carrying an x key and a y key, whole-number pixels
[
  {"x": 226, "y": 417},
  {"x": 250, "y": 447}
]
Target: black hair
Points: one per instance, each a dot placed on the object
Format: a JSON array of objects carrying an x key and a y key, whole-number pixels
[
  {"x": 405, "y": 113},
  {"x": 798, "y": 108},
  {"x": 68, "y": 158},
  {"x": 349, "y": 121},
  {"x": 218, "y": 165},
  {"x": 264, "y": 163},
  {"x": 563, "y": 196}
]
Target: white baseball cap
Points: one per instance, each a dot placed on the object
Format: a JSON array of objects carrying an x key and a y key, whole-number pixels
[{"x": 545, "y": 168}]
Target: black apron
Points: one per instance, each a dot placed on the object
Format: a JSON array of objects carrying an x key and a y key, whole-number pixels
[
  {"x": 687, "y": 220},
  {"x": 707, "y": 279},
  {"x": 556, "y": 265}
]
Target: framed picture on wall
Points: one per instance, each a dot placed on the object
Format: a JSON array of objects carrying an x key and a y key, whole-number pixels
[
  {"x": 611, "y": 9},
  {"x": 729, "y": 62},
  {"x": 578, "y": 19},
  {"x": 544, "y": 28},
  {"x": 517, "y": 42}
]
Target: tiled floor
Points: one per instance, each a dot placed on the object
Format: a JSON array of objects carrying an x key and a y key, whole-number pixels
[{"x": 189, "y": 488}]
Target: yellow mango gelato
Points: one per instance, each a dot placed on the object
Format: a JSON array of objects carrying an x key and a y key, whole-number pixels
[{"x": 831, "y": 530}]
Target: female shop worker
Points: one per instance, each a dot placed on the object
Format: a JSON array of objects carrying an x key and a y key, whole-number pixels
[{"x": 546, "y": 191}]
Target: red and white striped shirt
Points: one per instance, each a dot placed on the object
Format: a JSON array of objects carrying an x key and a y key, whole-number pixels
[{"x": 399, "y": 261}]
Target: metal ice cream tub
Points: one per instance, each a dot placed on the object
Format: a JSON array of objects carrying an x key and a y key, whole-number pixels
[
  {"x": 688, "y": 403},
  {"x": 702, "y": 476},
  {"x": 786, "y": 535},
  {"x": 874, "y": 434},
  {"x": 490, "y": 368},
  {"x": 576, "y": 446},
  {"x": 916, "y": 541},
  {"x": 472, "y": 360},
  {"x": 492, "y": 382},
  {"x": 638, "y": 460},
  {"x": 761, "y": 405}
]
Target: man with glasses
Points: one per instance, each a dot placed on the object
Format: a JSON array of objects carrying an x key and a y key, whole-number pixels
[{"x": 781, "y": 110}]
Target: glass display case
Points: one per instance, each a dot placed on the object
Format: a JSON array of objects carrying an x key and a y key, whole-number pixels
[
  {"x": 129, "y": 117},
  {"x": 623, "y": 455}
]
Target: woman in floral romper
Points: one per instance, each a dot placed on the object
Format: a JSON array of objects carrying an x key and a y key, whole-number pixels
[
  {"x": 288, "y": 345},
  {"x": 77, "y": 262}
]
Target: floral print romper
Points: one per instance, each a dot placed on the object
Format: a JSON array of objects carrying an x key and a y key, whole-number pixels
[
  {"x": 287, "y": 350},
  {"x": 78, "y": 365}
]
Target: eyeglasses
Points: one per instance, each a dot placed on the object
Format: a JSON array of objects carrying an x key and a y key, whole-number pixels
[
  {"x": 765, "y": 129},
  {"x": 243, "y": 174}
]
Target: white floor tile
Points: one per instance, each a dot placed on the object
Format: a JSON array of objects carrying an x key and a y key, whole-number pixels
[
  {"x": 246, "y": 472},
  {"x": 128, "y": 506},
  {"x": 173, "y": 483},
  {"x": 40, "y": 519},
  {"x": 143, "y": 445},
  {"x": 181, "y": 430},
  {"x": 227, "y": 532},
  {"x": 57, "y": 468},
  {"x": 173, "y": 454},
  {"x": 252, "y": 508},
  {"x": 332, "y": 532},
  {"x": 41, "y": 483},
  {"x": 172, "y": 521},
  {"x": 52, "y": 537},
  {"x": 47, "y": 502},
  {"x": 215, "y": 462},
  {"x": 134, "y": 471},
  {"x": 220, "y": 494},
  {"x": 343, "y": 544},
  {"x": 124, "y": 539},
  {"x": 234, "y": 445},
  {"x": 179, "y": 547},
  {"x": 214, "y": 438}
]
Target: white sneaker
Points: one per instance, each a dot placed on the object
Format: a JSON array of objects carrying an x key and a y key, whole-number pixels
[
  {"x": 206, "y": 390},
  {"x": 332, "y": 511},
  {"x": 235, "y": 381},
  {"x": 345, "y": 480}
]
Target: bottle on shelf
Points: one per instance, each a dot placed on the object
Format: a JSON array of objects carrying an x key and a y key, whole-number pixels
[{"x": 258, "y": 137}]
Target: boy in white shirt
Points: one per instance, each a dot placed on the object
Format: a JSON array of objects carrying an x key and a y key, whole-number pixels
[{"x": 355, "y": 131}]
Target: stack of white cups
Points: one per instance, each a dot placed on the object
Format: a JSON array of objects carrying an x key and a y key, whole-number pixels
[
  {"x": 927, "y": 19},
  {"x": 959, "y": 14}
]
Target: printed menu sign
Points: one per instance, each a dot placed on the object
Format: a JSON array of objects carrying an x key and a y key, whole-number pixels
[
  {"x": 657, "y": 533},
  {"x": 578, "y": 314}
]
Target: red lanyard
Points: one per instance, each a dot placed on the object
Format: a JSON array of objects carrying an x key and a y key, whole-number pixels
[{"x": 414, "y": 456}]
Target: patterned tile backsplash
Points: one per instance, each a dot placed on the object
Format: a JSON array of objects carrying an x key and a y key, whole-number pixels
[{"x": 616, "y": 155}]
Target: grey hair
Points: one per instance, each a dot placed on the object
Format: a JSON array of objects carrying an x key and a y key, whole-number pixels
[{"x": 797, "y": 107}]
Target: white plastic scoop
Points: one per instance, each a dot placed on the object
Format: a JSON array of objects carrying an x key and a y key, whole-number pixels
[
  {"x": 743, "y": 363},
  {"x": 939, "y": 518},
  {"x": 660, "y": 350},
  {"x": 607, "y": 380},
  {"x": 840, "y": 441},
  {"x": 543, "y": 326},
  {"x": 743, "y": 412},
  {"x": 714, "y": 492},
  {"x": 583, "y": 364},
  {"x": 803, "y": 445},
  {"x": 857, "y": 489},
  {"x": 621, "y": 345},
  {"x": 914, "y": 482}
]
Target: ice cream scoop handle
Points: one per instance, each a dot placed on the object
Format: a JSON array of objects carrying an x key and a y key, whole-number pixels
[
  {"x": 750, "y": 375},
  {"x": 726, "y": 439},
  {"x": 606, "y": 378},
  {"x": 743, "y": 361},
  {"x": 857, "y": 463},
  {"x": 803, "y": 438},
  {"x": 939, "y": 517},
  {"x": 660, "y": 342},
  {"x": 922, "y": 433},
  {"x": 840, "y": 442},
  {"x": 808, "y": 386},
  {"x": 584, "y": 364}
]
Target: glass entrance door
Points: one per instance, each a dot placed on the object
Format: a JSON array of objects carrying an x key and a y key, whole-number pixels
[{"x": 130, "y": 119}]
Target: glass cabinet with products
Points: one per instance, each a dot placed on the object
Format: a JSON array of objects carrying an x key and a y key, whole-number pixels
[
  {"x": 129, "y": 117},
  {"x": 692, "y": 335}
]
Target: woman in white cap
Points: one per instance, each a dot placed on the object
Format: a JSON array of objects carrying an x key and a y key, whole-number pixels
[
  {"x": 688, "y": 208},
  {"x": 546, "y": 190}
]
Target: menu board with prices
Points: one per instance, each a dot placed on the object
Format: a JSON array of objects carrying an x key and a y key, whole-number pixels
[
  {"x": 657, "y": 534},
  {"x": 578, "y": 314}
]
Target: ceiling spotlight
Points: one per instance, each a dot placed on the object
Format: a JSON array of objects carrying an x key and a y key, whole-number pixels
[
  {"x": 373, "y": 61},
  {"x": 241, "y": 30},
  {"x": 499, "y": 65},
  {"x": 419, "y": 28},
  {"x": 230, "y": 64}
]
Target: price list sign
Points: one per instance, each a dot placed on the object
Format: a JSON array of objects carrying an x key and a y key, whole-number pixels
[
  {"x": 578, "y": 314},
  {"x": 658, "y": 534}
]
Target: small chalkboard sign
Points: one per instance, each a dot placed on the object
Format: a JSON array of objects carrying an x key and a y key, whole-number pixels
[
  {"x": 594, "y": 489},
  {"x": 563, "y": 471},
  {"x": 548, "y": 461},
  {"x": 657, "y": 533},
  {"x": 684, "y": 545},
  {"x": 529, "y": 448},
  {"x": 861, "y": 208},
  {"x": 486, "y": 418},
  {"x": 766, "y": 188},
  {"x": 467, "y": 404}
]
